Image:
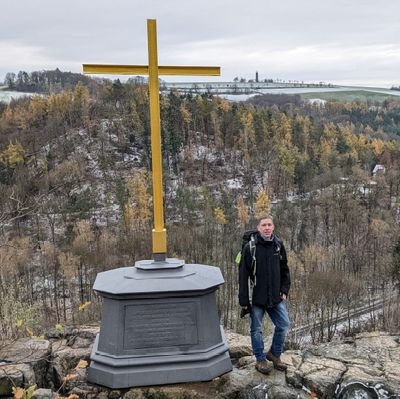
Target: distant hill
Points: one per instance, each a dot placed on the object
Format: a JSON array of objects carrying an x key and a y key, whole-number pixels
[
  {"x": 53, "y": 81},
  {"x": 278, "y": 93}
]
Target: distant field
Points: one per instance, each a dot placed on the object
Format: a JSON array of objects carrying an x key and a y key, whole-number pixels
[
  {"x": 6, "y": 96},
  {"x": 350, "y": 95}
]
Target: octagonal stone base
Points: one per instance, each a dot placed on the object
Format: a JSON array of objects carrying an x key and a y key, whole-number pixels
[
  {"x": 159, "y": 326},
  {"x": 170, "y": 369}
]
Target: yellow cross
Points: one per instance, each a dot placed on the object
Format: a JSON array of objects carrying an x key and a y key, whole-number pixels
[{"x": 154, "y": 70}]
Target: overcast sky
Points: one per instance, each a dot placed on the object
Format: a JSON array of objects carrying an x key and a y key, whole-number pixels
[{"x": 337, "y": 41}]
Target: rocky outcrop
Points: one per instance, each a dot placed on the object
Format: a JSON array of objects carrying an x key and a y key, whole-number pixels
[
  {"x": 368, "y": 364},
  {"x": 23, "y": 363}
]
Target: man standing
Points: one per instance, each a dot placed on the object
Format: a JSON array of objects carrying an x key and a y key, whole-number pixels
[{"x": 264, "y": 262}]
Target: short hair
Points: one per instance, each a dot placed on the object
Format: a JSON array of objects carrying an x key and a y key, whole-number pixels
[{"x": 264, "y": 217}]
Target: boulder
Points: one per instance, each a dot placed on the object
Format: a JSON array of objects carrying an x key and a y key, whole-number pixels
[
  {"x": 284, "y": 392},
  {"x": 342, "y": 352},
  {"x": 9, "y": 375},
  {"x": 376, "y": 345},
  {"x": 32, "y": 357},
  {"x": 321, "y": 375},
  {"x": 66, "y": 355},
  {"x": 392, "y": 373},
  {"x": 239, "y": 345},
  {"x": 364, "y": 373},
  {"x": 134, "y": 394},
  {"x": 87, "y": 332},
  {"x": 294, "y": 360},
  {"x": 44, "y": 394},
  {"x": 114, "y": 394}
]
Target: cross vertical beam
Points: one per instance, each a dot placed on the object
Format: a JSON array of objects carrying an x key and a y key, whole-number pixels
[{"x": 159, "y": 232}]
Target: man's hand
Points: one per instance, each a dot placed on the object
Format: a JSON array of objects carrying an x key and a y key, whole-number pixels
[{"x": 245, "y": 310}]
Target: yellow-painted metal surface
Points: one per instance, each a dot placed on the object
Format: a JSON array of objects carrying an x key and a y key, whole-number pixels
[
  {"x": 189, "y": 70},
  {"x": 159, "y": 240},
  {"x": 116, "y": 69},
  {"x": 144, "y": 70},
  {"x": 159, "y": 235}
]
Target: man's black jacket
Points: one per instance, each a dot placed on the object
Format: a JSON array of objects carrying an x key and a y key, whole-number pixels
[{"x": 272, "y": 273}]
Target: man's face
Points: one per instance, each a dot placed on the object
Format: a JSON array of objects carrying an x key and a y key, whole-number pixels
[{"x": 266, "y": 227}]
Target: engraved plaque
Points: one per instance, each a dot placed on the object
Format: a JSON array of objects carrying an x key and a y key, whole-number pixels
[{"x": 160, "y": 325}]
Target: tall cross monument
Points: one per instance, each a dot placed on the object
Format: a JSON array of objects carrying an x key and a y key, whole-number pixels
[
  {"x": 153, "y": 70},
  {"x": 160, "y": 322}
]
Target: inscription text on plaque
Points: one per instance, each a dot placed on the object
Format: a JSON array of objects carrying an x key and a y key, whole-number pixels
[{"x": 160, "y": 325}]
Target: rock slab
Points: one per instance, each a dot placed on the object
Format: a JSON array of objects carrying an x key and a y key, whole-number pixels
[{"x": 57, "y": 365}]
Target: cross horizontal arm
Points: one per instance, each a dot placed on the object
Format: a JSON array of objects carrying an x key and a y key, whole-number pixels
[
  {"x": 190, "y": 70},
  {"x": 144, "y": 70},
  {"x": 116, "y": 69}
]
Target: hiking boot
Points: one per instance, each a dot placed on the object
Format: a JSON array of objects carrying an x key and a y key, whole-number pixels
[
  {"x": 263, "y": 367},
  {"x": 276, "y": 361}
]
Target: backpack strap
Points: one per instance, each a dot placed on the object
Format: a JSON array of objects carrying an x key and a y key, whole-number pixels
[
  {"x": 249, "y": 240},
  {"x": 278, "y": 246},
  {"x": 253, "y": 267}
]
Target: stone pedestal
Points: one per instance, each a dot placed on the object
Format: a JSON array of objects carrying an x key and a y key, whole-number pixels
[{"x": 159, "y": 326}]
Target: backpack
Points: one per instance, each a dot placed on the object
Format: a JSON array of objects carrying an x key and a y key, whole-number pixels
[{"x": 250, "y": 238}]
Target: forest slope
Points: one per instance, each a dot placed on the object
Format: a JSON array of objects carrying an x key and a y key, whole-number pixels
[{"x": 75, "y": 198}]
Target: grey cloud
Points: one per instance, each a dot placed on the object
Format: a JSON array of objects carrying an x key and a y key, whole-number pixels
[{"x": 237, "y": 35}]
